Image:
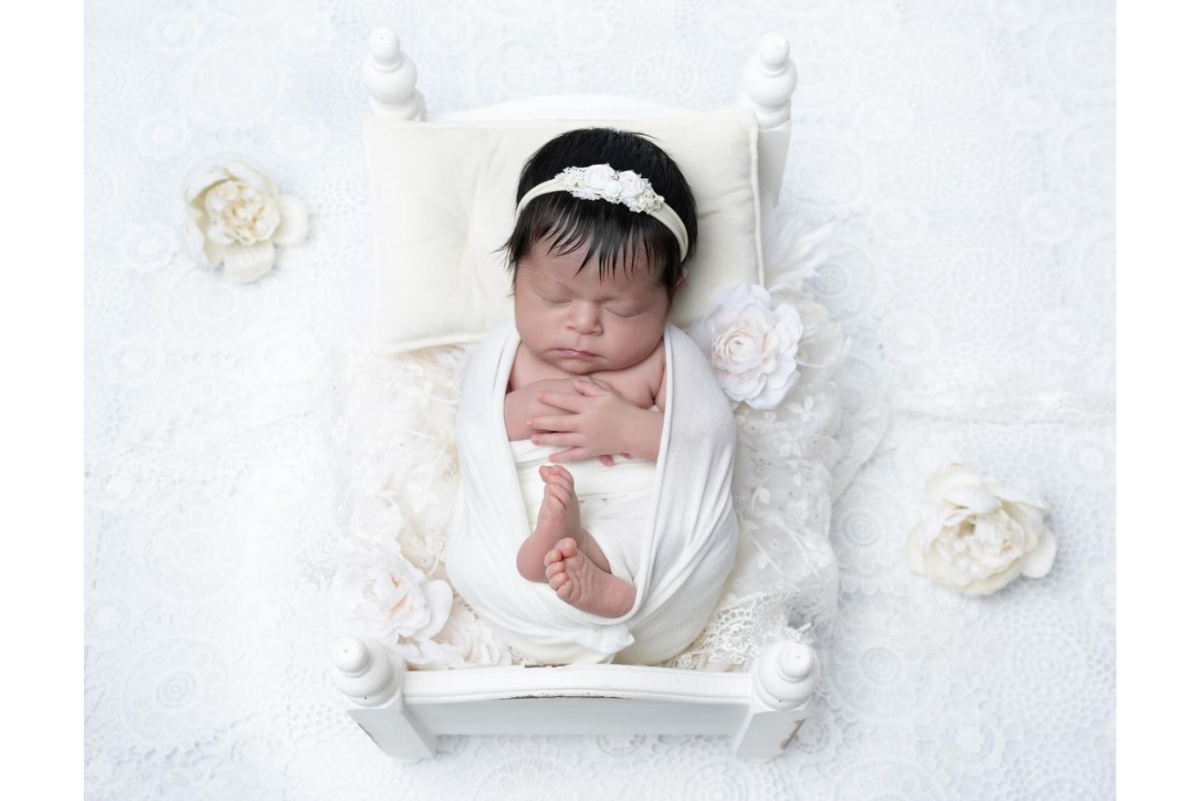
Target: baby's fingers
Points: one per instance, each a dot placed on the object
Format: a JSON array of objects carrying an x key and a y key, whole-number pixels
[
  {"x": 576, "y": 454},
  {"x": 559, "y": 400},
  {"x": 554, "y": 423},
  {"x": 569, "y": 439},
  {"x": 594, "y": 386},
  {"x": 606, "y": 460},
  {"x": 587, "y": 386}
]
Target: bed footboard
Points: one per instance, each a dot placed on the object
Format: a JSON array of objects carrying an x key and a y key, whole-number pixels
[{"x": 405, "y": 712}]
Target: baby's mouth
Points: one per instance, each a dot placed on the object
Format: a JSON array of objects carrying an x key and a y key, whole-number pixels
[{"x": 576, "y": 354}]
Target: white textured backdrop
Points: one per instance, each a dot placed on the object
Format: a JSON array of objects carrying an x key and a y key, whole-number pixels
[{"x": 965, "y": 151}]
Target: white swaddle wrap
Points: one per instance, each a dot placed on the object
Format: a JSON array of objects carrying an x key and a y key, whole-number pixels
[{"x": 688, "y": 538}]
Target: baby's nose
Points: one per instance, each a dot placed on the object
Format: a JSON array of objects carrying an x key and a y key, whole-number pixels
[{"x": 585, "y": 317}]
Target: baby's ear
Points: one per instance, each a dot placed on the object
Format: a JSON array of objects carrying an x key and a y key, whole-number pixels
[{"x": 682, "y": 277}]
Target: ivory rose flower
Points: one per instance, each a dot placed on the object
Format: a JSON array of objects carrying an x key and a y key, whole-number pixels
[
  {"x": 976, "y": 537},
  {"x": 752, "y": 347},
  {"x": 464, "y": 642},
  {"x": 379, "y": 592},
  {"x": 235, "y": 217}
]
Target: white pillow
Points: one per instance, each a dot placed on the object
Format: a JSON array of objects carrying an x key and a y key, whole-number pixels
[{"x": 443, "y": 196}]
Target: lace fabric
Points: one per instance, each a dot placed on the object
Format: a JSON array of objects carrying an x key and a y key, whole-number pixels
[{"x": 961, "y": 154}]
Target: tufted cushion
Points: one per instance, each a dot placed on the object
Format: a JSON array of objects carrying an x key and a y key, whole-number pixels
[{"x": 443, "y": 198}]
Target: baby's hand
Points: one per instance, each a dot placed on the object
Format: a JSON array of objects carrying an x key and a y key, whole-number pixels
[
  {"x": 522, "y": 404},
  {"x": 598, "y": 382},
  {"x": 606, "y": 460},
  {"x": 595, "y": 425}
]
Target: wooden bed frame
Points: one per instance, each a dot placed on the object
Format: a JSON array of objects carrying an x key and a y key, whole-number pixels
[{"x": 405, "y": 711}]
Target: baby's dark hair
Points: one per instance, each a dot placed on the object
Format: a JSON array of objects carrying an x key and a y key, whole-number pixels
[{"x": 610, "y": 229}]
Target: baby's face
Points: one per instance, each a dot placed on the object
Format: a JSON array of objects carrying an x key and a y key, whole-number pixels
[{"x": 580, "y": 324}]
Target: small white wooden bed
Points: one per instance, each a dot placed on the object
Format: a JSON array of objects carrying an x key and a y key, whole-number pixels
[{"x": 404, "y": 711}]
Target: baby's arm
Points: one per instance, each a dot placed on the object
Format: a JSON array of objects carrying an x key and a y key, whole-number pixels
[{"x": 646, "y": 433}]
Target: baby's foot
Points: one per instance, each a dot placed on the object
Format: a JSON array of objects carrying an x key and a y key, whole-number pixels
[
  {"x": 559, "y": 517},
  {"x": 579, "y": 582}
]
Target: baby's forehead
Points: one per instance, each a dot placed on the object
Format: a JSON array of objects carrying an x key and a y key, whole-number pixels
[{"x": 619, "y": 277}]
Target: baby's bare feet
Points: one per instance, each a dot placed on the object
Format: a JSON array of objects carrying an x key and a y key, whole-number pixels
[
  {"x": 559, "y": 517},
  {"x": 582, "y": 584}
]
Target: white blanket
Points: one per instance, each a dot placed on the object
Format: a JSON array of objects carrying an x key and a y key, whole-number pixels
[{"x": 689, "y": 540}]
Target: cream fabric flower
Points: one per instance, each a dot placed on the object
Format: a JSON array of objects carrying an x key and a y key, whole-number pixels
[
  {"x": 752, "y": 347},
  {"x": 631, "y": 184},
  {"x": 235, "y": 218},
  {"x": 464, "y": 641},
  {"x": 976, "y": 537},
  {"x": 602, "y": 182},
  {"x": 377, "y": 591},
  {"x": 597, "y": 176}
]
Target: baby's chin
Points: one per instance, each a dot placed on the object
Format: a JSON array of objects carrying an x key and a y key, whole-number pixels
[
  {"x": 582, "y": 366},
  {"x": 596, "y": 364}
]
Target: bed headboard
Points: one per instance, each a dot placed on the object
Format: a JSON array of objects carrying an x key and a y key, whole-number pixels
[{"x": 768, "y": 79}]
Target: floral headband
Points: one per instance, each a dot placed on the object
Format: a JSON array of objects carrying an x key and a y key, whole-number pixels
[{"x": 602, "y": 182}]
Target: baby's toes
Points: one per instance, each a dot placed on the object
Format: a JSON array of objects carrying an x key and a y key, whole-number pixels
[
  {"x": 552, "y": 556},
  {"x": 560, "y": 584},
  {"x": 554, "y": 568},
  {"x": 560, "y": 494},
  {"x": 553, "y": 511}
]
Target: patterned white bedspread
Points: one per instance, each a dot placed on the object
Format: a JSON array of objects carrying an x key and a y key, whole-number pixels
[{"x": 963, "y": 153}]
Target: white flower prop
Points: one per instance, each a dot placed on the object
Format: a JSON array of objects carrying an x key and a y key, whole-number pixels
[
  {"x": 464, "y": 642},
  {"x": 752, "y": 347},
  {"x": 235, "y": 217},
  {"x": 976, "y": 537},
  {"x": 377, "y": 591}
]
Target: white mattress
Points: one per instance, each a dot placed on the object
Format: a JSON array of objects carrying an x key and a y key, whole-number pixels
[{"x": 964, "y": 151}]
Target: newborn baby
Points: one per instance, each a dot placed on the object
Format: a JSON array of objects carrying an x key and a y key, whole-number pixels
[
  {"x": 588, "y": 370},
  {"x": 596, "y": 266},
  {"x": 613, "y": 499}
]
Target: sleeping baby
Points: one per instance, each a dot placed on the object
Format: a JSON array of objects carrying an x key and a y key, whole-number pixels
[
  {"x": 592, "y": 287},
  {"x": 578, "y": 388}
]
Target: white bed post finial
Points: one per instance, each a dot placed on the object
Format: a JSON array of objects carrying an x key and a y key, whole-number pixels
[
  {"x": 391, "y": 78},
  {"x": 768, "y": 80},
  {"x": 363, "y": 671},
  {"x": 368, "y": 675},
  {"x": 785, "y": 676}
]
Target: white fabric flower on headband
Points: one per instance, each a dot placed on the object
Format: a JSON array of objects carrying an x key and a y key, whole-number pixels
[{"x": 602, "y": 182}]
